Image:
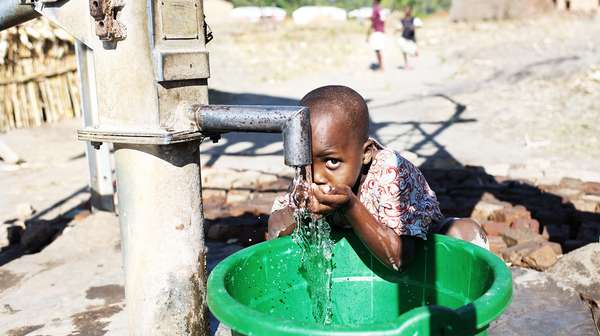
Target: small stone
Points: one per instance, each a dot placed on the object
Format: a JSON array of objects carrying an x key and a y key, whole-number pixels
[
  {"x": 541, "y": 258},
  {"x": 238, "y": 196},
  {"x": 24, "y": 211},
  {"x": 518, "y": 236},
  {"x": 485, "y": 210},
  {"x": 494, "y": 228}
]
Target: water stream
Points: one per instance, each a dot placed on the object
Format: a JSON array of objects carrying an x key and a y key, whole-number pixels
[{"x": 312, "y": 234}]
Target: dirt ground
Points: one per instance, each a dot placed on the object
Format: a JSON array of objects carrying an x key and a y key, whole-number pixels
[{"x": 519, "y": 98}]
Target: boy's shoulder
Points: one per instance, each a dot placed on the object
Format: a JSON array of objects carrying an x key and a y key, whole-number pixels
[{"x": 388, "y": 157}]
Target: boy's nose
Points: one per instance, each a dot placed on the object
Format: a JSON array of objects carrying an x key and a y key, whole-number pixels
[{"x": 318, "y": 177}]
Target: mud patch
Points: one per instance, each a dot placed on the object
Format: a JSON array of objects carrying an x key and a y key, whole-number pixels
[
  {"x": 109, "y": 293},
  {"x": 9, "y": 279},
  {"x": 88, "y": 322},
  {"x": 22, "y": 331}
]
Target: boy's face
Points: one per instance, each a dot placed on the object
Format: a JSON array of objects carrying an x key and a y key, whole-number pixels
[{"x": 337, "y": 153}]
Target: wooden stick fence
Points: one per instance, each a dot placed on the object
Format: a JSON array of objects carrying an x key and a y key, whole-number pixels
[{"x": 38, "y": 76}]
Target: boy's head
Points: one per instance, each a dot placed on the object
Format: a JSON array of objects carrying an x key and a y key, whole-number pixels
[{"x": 339, "y": 120}]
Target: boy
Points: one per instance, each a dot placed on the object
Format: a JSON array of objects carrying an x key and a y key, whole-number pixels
[
  {"x": 375, "y": 34},
  {"x": 360, "y": 184},
  {"x": 408, "y": 41}
]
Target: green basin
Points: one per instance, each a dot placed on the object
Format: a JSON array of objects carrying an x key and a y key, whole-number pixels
[{"x": 450, "y": 288}]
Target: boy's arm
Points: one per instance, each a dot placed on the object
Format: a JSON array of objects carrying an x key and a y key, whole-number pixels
[
  {"x": 281, "y": 223},
  {"x": 392, "y": 250}
]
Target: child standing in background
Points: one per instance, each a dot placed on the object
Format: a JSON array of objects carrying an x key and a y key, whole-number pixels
[
  {"x": 408, "y": 41},
  {"x": 376, "y": 35}
]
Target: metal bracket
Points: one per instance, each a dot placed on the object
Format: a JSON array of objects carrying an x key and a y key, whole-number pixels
[
  {"x": 33, "y": 2},
  {"x": 141, "y": 137},
  {"x": 105, "y": 13}
]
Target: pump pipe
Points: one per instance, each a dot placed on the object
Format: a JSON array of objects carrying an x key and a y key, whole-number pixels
[
  {"x": 292, "y": 121},
  {"x": 13, "y": 12}
]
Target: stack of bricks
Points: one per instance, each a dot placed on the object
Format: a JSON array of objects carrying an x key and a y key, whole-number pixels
[{"x": 527, "y": 225}]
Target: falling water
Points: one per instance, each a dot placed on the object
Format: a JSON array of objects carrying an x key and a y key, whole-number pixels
[{"x": 312, "y": 236}]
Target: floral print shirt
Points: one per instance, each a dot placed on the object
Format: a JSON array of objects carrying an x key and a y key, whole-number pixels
[{"x": 396, "y": 194}]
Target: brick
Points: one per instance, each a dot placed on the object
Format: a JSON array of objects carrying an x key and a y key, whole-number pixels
[
  {"x": 279, "y": 184},
  {"x": 214, "y": 196},
  {"x": 541, "y": 258},
  {"x": 238, "y": 196},
  {"x": 497, "y": 244},
  {"x": 246, "y": 180},
  {"x": 555, "y": 247},
  {"x": 528, "y": 224},
  {"x": 570, "y": 182},
  {"x": 515, "y": 254},
  {"x": 494, "y": 228},
  {"x": 484, "y": 210},
  {"x": 568, "y": 193},
  {"x": 592, "y": 188},
  {"x": 218, "y": 178},
  {"x": 519, "y": 236},
  {"x": 509, "y": 215}
]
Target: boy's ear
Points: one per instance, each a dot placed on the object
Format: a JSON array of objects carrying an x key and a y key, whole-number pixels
[{"x": 368, "y": 152}]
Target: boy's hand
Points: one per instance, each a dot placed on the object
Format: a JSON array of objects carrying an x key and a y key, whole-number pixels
[{"x": 326, "y": 199}]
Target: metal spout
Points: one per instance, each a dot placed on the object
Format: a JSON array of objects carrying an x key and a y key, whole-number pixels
[
  {"x": 292, "y": 121},
  {"x": 14, "y": 12}
]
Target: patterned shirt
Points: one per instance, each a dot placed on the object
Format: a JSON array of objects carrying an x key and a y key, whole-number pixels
[{"x": 396, "y": 194}]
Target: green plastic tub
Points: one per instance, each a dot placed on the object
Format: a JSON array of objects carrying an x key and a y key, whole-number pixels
[{"x": 450, "y": 288}]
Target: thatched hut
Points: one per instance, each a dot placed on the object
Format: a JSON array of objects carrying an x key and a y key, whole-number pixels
[{"x": 38, "y": 75}]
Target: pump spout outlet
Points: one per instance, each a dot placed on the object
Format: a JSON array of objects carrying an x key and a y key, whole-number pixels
[{"x": 292, "y": 121}]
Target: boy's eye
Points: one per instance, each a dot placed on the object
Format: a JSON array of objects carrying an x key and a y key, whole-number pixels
[{"x": 332, "y": 163}]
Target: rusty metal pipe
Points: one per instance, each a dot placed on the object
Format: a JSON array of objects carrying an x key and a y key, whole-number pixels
[
  {"x": 292, "y": 121},
  {"x": 13, "y": 12}
]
